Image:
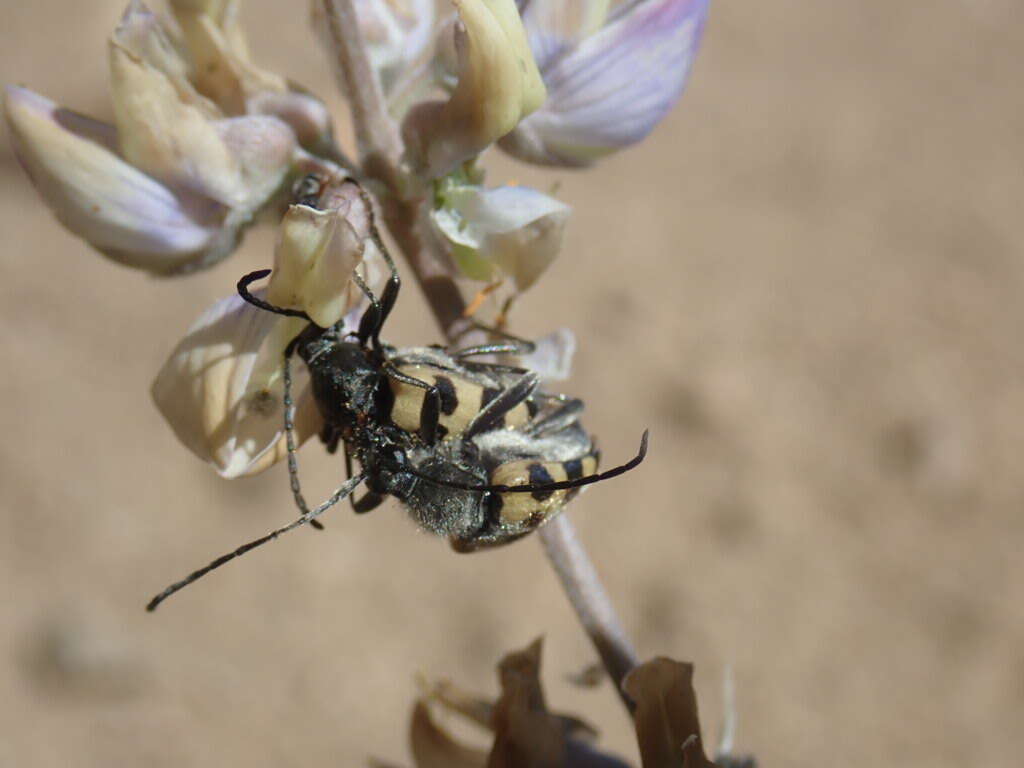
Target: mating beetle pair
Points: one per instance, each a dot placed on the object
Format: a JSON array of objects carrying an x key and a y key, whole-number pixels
[{"x": 475, "y": 450}]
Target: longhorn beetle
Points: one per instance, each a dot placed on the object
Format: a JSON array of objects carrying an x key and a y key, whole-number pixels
[{"x": 475, "y": 450}]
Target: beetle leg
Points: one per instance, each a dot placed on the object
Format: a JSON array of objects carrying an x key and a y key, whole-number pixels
[
  {"x": 509, "y": 398},
  {"x": 566, "y": 414}
]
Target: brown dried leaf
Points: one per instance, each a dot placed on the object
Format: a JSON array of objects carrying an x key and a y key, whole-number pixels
[
  {"x": 667, "y": 725},
  {"x": 482, "y": 712},
  {"x": 452, "y": 697},
  {"x": 526, "y": 735}
]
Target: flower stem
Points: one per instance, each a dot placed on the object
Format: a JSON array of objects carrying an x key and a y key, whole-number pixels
[
  {"x": 380, "y": 150},
  {"x": 377, "y": 137},
  {"x": 589, "y": 599}
]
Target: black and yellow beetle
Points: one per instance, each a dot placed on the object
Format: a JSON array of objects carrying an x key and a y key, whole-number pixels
[{"x": 476, "y": 451}]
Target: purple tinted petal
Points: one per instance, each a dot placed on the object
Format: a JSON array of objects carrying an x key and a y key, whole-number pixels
[
  {"x": 553, "y": 26},
  {"x": 612, "y": 89},
  {"x": 98, "y": 196}
]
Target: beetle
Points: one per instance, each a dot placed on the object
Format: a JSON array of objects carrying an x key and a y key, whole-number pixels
[{"x": 476, "y": 451}]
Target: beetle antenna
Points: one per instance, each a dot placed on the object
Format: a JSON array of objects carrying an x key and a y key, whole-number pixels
[
  {"x": 350, "y": 485},
  {"x": 542, "y": 487},
  {"x": 243, "y": 291}
]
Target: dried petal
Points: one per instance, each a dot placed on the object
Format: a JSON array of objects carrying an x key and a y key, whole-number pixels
[
  {"x": 453, "y": 698},
  {"x": 613, "y": 88},
  {"x": 433, "y": 747},
  {"x": 515, "y": 231},
  {"x": 221, "y": 390},
  {"x": 99, "y": 197},
  {"x": 526, "y": 734},
  {"x": 498, "y": 85},
  {"x": 667, "y": 726}
]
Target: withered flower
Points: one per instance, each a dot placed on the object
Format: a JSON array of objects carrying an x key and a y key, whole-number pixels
[{"x": 527, "y": 735}]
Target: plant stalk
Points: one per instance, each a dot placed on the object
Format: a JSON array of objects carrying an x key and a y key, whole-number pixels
[{"x": 589, "y": 599}]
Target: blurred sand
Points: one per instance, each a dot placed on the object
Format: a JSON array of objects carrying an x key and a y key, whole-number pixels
[{"x": 807, "y": 283}]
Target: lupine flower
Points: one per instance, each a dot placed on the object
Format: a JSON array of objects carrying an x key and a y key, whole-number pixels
[
  {"x": 610, "y": 81},
  {"x": 498, "y": 85},
  {"x": 506, "y": 232},
  {"x": 168, "y": 187},
  {"x": 221, "y": 388},
  {"x": 528, "y": 735}
]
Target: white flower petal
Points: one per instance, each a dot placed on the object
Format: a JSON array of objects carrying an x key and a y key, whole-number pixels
[
  {"x": 517, "y": 230},
  {"x": 141, "y": 32},
  {"x": 98, "y": 196},
  {"x": 552, "y": 356},
  {"x": 316, "y": 253},
  {"x": 612, "y": 89},
  {"x": 221, "y": 67},
  {"x": 166, "y": 137},
  {"x": 221, "y": 390},
  {"x": 305, "y": 114},
  {"x": 263, "y": 147}
]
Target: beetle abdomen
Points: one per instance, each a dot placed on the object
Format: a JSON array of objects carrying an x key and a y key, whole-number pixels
[{"x": 532, "y": 509}]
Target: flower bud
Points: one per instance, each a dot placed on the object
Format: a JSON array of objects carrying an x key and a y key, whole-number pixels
[
  {"x": 317, "y": 252},
  {"x": 498, "y": 85}
]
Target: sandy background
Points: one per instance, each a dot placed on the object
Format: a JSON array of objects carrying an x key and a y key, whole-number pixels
[{"x": 808, "y": 283}]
